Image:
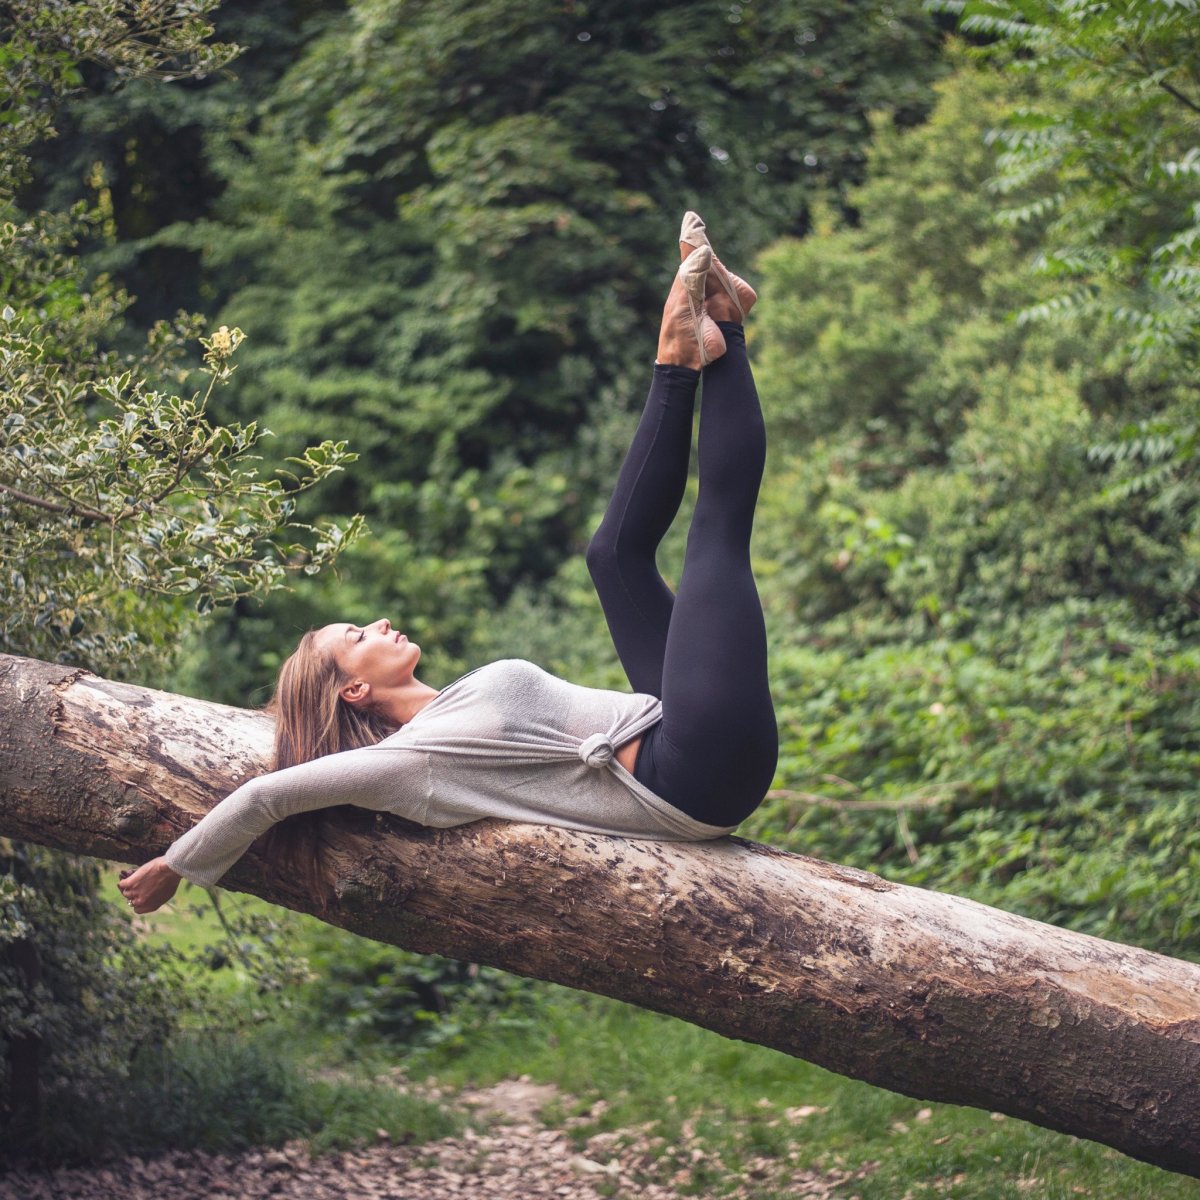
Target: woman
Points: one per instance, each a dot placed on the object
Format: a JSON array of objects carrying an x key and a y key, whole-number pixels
[{"x": 686, "y": 757}]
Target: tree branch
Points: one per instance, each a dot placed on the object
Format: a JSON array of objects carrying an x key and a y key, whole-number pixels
[{"x": 1174, "y": 91}]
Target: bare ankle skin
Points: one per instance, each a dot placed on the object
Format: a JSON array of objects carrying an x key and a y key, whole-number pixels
[
  {"x": 720, "y": 306},
  {"x": 672, "y": 352}
]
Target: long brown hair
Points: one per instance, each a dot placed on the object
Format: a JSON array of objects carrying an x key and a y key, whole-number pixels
[{"x": 312, "y": 720}]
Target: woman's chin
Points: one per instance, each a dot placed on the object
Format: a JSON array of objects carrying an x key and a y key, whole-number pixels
[{"x": 410, "y": 659}]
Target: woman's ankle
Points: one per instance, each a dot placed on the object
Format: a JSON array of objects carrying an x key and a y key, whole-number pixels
[{"x": 677, "y": 372}]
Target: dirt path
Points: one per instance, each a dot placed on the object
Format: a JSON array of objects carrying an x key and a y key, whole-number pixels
[{"x": 516, "y": 1157}]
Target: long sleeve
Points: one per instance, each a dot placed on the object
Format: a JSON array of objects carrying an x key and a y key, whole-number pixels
[{"x": 386, "y": 777}]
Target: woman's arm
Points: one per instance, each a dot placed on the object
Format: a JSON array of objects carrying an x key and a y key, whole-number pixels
[
  {"x": 225, "y": 833},
  {"x": 386, "y": 777}
]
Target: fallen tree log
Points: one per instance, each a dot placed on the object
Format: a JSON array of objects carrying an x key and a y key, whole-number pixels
[{"x": 931, "y": 995}]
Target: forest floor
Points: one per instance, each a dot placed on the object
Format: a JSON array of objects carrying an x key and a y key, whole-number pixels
[{"x": 511, "y": 1154}]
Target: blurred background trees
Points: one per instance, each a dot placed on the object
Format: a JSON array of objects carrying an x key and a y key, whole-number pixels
[{"x": 438, "y": 224}]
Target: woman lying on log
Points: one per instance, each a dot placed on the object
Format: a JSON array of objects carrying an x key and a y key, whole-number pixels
[{"x": 686, "y": 757}]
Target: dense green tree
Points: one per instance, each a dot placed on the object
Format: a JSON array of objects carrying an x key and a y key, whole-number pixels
[
  {"x": 47, "y": 48},
  {"x": 136, "y": 152},
  {"x": 1111, "y": 133},
  {"x": 956, "y": 474},
  {"x": 114, "y": 493},
  {"x": 1106, "y": 154},
  {"x": 438, "y": 225},
  {"x": 117, "y": 501},
  {"x": 985, "y": 639}
]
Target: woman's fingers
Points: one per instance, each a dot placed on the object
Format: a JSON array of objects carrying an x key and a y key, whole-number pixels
[{"x": 138, "y": 888}]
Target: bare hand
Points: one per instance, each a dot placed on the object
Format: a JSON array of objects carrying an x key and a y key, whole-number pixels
[{"x": 150, "y": 886}]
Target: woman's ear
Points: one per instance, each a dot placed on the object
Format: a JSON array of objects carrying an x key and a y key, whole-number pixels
[{"x": 357, "y": 692}]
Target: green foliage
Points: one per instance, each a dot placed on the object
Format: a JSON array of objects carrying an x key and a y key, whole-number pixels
[
  {"x": 1106, "y": 153},
  {"x": 939, "y": 462},
  {"x": 978, "y": 558},
  {"x": 79, "y": 991},
  {"x": 371, "y": 992},
  {"x": 883, "y": 327},
  {"x": 695, "y": 1113},
  {"x": 1107, "y": 148},
  {"x": 977, "y": 539},
  {"x": 246, "y": 941},
  {"x": 983, "y": 653},
  {"x": 1046, "y": 766},
  {"x": 437, "y": 225},
  {"x": 45, "y": 46},
  {"x": 118, "y": 498},
  {"x": 216, "y": 1092},
  {"x": 112, "y": 494}
]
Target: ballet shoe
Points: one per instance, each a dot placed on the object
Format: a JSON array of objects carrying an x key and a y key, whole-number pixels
[
  {"x": 684, "y": 315},
  {"x": 693, "y": 233}
]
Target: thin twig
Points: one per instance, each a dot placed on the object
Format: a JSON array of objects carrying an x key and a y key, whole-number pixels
[
  {"x": 902, "y": 822},
  {"x": 74, "y": 510},
  {"x": 232, "y": 941},
  {"x": 815, "y": 798},
  {"x": 1162, "y": 83}
]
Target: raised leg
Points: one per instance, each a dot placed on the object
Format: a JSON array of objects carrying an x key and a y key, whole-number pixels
[
  {"x": 715, "y": 751},
  {"x": 635, "y": 598}
]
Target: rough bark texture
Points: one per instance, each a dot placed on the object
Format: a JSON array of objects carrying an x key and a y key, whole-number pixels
[{"x": 930, "y": 995}]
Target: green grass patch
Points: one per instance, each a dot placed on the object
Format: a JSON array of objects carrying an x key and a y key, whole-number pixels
[
  {"x": 738, "y": 1103},
  {"x": 247, "y": 1065},
  {"x": 711, "y": 1111},
  {"x": 236, "y": 944},
  {"x": 229, "y": 1092}
]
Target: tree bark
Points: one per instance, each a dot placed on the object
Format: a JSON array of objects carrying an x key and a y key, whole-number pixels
[{"x": 930, "y": 995}]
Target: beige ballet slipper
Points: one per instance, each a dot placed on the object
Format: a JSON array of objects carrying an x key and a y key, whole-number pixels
[{"x": 694, "y": 233}]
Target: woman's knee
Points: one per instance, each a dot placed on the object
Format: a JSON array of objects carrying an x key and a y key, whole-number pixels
[
  {"x": 601, "y": 556},
  {"x": 610, "y": 558}
]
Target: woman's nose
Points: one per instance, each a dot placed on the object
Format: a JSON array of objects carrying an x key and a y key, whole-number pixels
[{"x": 384, "y": 624}]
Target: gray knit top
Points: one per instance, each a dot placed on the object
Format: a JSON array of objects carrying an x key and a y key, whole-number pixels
[{"x": 507, "y": 740}]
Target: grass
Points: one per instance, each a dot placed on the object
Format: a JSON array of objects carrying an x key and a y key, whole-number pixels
[
  {"x": 194, "y": 927},
  {"x": 721, "y": 1108},
  {"x": 223, "y": 1093},
  {"x": 734, "y": 1100},
  {"x": 236, "y": 1075}
]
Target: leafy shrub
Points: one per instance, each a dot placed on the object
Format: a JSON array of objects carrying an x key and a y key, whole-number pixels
[
  {"x": 81, "y": 998},
  {"x": 118, "y": 499},
  {"x": 218, "y": 1092},
  {"x": 367, "y": 990},
  {"x": 976, "y": 552},
  {"x": 1044, "y": 765}
]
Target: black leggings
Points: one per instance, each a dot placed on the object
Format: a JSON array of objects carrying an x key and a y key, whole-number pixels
[{"x": 703, "y": 652}]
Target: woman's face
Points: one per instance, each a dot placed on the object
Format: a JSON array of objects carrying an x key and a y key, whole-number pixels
[{"x": 374, "y": 654}]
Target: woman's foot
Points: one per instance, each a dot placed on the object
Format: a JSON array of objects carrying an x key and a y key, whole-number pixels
[
  {"x": 728, "y": 297},
  {"x": 689, "y": 337}
]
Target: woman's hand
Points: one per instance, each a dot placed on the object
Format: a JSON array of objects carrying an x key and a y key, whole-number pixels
[{"x": 150, "y": 886}]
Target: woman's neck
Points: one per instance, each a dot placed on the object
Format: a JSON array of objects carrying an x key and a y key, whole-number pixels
[{"x": 401, "y": 704}]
